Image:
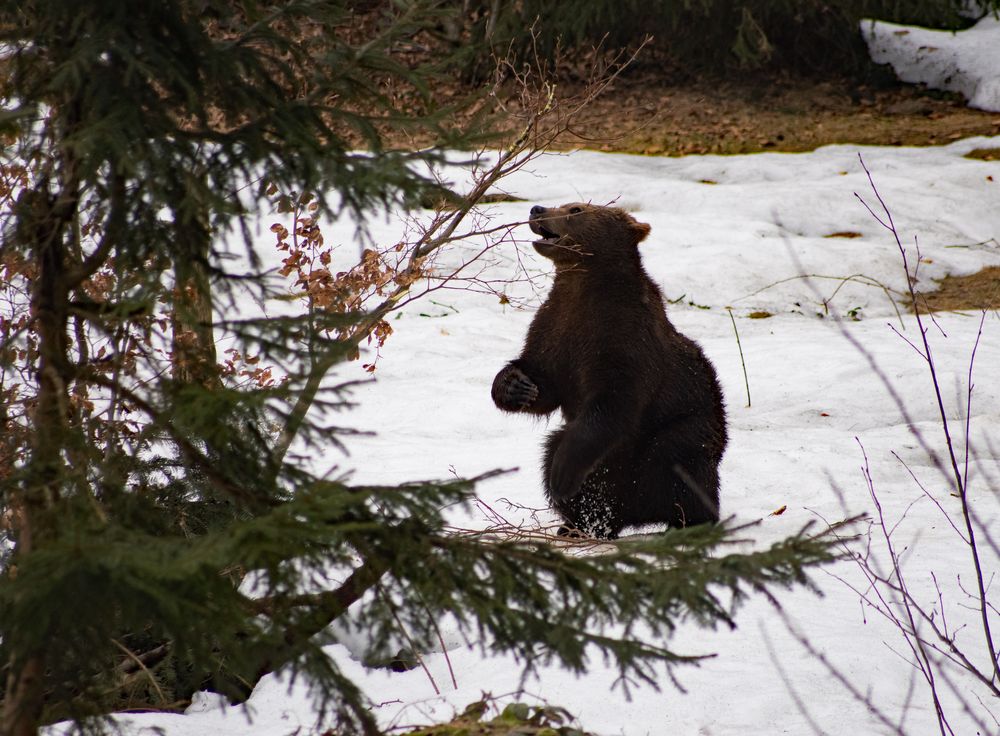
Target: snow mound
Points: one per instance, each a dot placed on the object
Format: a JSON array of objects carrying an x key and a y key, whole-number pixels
[{"x": 964, "y": 61}]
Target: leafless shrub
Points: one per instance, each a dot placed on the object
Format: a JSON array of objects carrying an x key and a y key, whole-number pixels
[{"x": 944, "y": 621}]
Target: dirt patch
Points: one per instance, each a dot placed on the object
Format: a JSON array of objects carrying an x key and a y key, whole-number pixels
[
  {"x": 977, "y": 292},
  {"x": 984, "y": 154},
  {"x": 651, "y": 117}
]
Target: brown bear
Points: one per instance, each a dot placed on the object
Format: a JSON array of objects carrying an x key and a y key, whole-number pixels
[{"x": 645, "y": 424}]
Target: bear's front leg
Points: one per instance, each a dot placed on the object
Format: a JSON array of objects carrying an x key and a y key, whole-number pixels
[{"x": 513, "y": 390}]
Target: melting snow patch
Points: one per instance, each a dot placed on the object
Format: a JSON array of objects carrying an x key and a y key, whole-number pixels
[{"x": 964, "y": 61}]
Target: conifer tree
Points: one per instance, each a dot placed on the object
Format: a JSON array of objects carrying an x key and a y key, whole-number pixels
[{"x": 155, "y": 522}]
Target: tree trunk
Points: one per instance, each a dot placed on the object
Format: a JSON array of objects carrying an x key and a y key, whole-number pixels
[
  {"x": 23, "y": 704},
  {"x": 42, "y": 220},
  {"x": 194, "y": 354}
]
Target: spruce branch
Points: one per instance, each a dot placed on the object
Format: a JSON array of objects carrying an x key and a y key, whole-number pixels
[
  {"x": 191, "y": 453},
  {"x": 116, "y": 221},
  {"x": 322, "y": 609}
]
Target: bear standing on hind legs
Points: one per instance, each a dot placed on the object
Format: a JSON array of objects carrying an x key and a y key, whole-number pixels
[{"x": 645, "y": 425}]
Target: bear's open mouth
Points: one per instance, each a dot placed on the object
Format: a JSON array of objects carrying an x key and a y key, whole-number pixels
[{"x": 548, "y": 237}]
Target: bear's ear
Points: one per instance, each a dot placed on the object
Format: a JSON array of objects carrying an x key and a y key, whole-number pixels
[{"x": 641, "y": 230}]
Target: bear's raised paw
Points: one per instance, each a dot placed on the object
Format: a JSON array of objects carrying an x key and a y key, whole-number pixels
[{"x": 513, "y": 390}]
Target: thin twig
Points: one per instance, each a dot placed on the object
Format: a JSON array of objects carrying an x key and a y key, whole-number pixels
[
  {"x": 406, "y": 634},
  {"x": 746, "y": 380}
]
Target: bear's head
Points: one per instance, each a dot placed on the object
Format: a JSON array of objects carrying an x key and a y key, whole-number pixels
[{"x": 578, "y": 231}]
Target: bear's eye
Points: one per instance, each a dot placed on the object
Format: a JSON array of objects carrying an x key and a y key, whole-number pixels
[{"x": 575, "y": 210}]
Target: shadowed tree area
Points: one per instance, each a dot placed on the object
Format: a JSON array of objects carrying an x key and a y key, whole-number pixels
[{"x": 804, "y": 35}]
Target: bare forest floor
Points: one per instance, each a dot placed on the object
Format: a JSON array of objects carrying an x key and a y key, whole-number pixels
[{"x": 767, "y": 114}]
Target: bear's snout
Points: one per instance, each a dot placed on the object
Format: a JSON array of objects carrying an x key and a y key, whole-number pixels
[{"x": 544, "y": 214}]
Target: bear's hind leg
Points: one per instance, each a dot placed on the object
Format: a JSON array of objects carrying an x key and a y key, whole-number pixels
[
  {"x": 598, "y": 509},
  {"x": 679, "y": 476},
  {"x": 592, "y": 512}
]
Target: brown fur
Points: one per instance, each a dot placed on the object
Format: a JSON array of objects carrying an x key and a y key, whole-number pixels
[{"x": 645, "y": 425}]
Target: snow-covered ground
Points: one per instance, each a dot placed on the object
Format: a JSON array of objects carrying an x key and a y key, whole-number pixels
[
  {"x": 966, "y": 61},
  {"x": 735, "y": 232}
]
